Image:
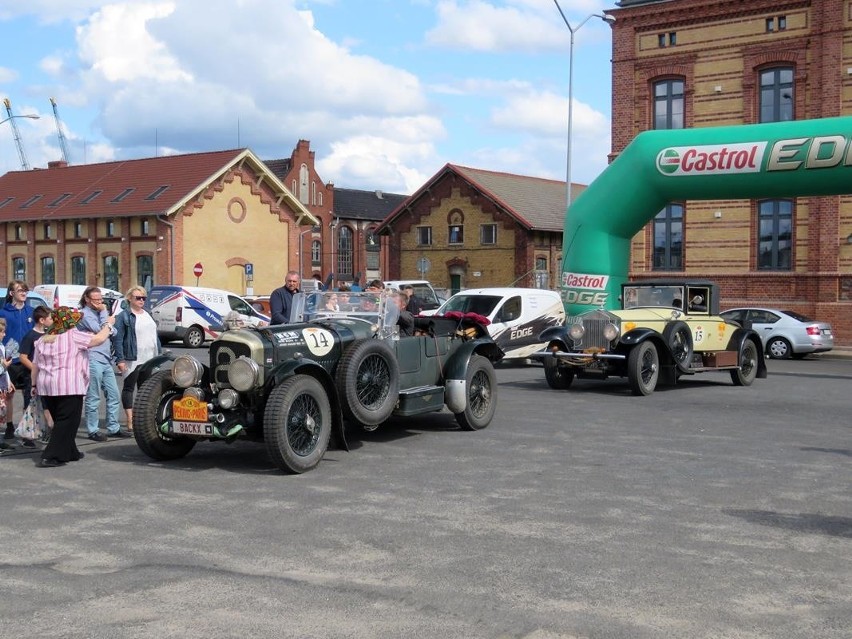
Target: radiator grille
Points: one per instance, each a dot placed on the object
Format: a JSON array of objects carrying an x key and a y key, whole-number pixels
[
  {"x": 222, "y": 353},
  {"x": 593, "y": 337}
]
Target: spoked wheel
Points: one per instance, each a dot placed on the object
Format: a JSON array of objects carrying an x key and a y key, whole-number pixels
[
  {"x": 746, "y": 373},
  {"x": 679, "y": 340},
  {"x": 368, "y": 382},
  {"x": 151, "y": 408},
  {"x": 481, "y": 384},
  {"x": 643, "y": 368},
  {"x": 297, "y": 424},
  {"x": 558, "y": 377}
]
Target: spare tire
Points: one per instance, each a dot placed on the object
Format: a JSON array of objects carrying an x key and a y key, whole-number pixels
[
  {"x": 678, "y": 338},
  {"x": 368, "y": 382}
]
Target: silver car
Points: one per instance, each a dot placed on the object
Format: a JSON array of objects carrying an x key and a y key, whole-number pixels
[{"x": 785, "y": 334}]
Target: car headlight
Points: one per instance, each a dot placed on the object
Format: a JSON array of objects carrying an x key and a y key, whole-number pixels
[
  {"x": 228, "y": 398},
  {"x": 576, "y": 331},
  {"x": 243, "y": 374},
  {"x": 187, "y": 371},
  {"x": 610, "y": 332}
]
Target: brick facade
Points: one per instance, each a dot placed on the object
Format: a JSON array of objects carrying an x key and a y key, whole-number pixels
[{"x": 718, "y": 51}]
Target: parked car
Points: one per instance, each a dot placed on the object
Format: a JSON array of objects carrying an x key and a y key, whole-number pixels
[
  {"x": 58, "y": 295},
  {"x": 293, "y": 386},
  {"x": 665, "y": 329},
  {"x": 517, "y": 316},
  {"x": 785, "y": 334},
  {"x": 260, "y": 303},
  {"x": 34, "y": 300}
]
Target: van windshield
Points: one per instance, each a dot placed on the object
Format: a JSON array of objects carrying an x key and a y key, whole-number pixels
[{"x": 480, "y": 304}]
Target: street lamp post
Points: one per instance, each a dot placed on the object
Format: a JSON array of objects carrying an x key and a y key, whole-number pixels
[
  {"x": 609, "y": 20},
  {"x": 302, "y": 250},
  {"x": 17, "y": 134}
]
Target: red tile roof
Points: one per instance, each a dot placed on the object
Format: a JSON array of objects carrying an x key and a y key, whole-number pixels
[{"x": 184, "y": 175}]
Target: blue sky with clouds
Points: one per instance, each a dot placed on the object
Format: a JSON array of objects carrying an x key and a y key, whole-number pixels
[{"x": 387, "y": 91}]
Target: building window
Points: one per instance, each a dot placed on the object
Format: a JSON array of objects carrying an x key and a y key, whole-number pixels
[
  {"x": 19, "y": 268},
  {"x": 78, "y": 270},
  {"x": 145, "y": 271},
  {"x": 424, "y": 235},
  {"x": 776, "y": 95},
  {"x": 775, "y": 235},
  {"x": 668, "y": 239},
  {"x": 47, "y": 232},
  {"x": 344, "y": 253},
  {"x": 661, "y": 40},
  {"x": 304, "y": 194},
  {"x": 668, "y": 104},
  {"x": 372, "y": 242},
  {"x": 541, "y": 263},
  {"x": 111, "y": 272},
  {"x": 456, "y": 234},
  {"x": 144, "y": 227},
  {"x": 319, "y": 198},
  {"x": 48, "y": 270},
  {"x": 122, "y": 195},
  {"x": 110, "y": 230},
  {"x": 19, "y": 232},
  {"x": 6, "y": 200},
  {"x": 372, "y": 261},
  {"x": 672, "y": 38},
  {"x": 78, "y": 229},
  {"x": 59, "y": 200},
  {"x": 316, "y": 252},
  {"x": 782, "y": 23},
  {"x": 91, "y": 196},
  {"x": 156, "y": 193},
  {"x": 488, "y": 234},
  {"x": 770, "y": 25}
]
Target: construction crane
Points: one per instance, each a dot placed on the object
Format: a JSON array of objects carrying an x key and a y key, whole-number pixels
[
  {"x": 63, "y": 143},
  {"x": 11, "y": 119}
]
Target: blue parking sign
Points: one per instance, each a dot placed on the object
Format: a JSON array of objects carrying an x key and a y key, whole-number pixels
[{"x": 249, "y": 269}]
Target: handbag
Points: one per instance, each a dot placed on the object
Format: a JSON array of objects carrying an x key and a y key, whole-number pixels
[{"x": 29, "y": 427}]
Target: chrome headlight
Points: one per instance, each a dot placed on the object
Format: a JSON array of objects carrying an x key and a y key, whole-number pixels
[
  {"x": 187, "y": 371},
  {"x": 243, "y": 374},
  {"x": 228, "y": 398},
  {"x": 576, "y": 331},
  {"x": 610, "y": 332}
]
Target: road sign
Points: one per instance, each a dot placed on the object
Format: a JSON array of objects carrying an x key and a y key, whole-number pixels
[
  {"x": 198, "y": 269},
  {"x": 249, "y": 269},
  {"x": 423, "y": 264}
]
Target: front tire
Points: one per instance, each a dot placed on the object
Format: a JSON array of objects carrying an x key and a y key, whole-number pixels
[
  {"x": 643, "y": 368},
  {"x": 779, "y": 348},
  {"x": 746, "y": 373},
  {"x": 194, "y": 337},
  {"x": 297, "y": 424},
  {"x": 558, "y": 377},
  {"x": 368, "y": 382},
  {"x": 481, "y": 404},
  {"x": 151, "y": 408},
  {"x": 679, "y": 340}
]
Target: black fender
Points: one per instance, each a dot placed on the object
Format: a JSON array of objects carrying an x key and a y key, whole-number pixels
[
  {"x": 456, "y": 367},
  {"x": 555, "y": 334},
  {"x": 736, "y": 344},
  {"x": 629, "y": 341},
  {"x": 155, "y": 364},
  {"x": 639, "y": 335},
  {"x": 304, "y": 366}
]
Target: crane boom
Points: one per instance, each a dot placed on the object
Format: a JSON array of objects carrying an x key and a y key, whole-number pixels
[
  {"x": 63, "y": 143},
  {"x": 18, "y": 143}
]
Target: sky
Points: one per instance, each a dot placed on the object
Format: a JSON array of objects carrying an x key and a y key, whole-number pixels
[{"x": 386, "y": 91}]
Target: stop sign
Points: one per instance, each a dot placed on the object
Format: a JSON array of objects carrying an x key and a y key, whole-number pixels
[{"x": 198, "y": 269}]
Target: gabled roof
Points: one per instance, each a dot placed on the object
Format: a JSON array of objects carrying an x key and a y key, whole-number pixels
[
  {"x": 365, "y": 205},
  {"x": 536, "y": 203},
  {"x": 280, "y": 168},
  {"x": 149, "y": 186}
]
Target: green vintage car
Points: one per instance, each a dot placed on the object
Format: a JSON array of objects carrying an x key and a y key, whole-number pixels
[
  {"x": 664, "y": 330},
  {"x": 294, "y": 387}
]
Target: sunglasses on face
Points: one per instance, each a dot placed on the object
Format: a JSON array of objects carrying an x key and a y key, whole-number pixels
[{"x": 140, "y": 298}]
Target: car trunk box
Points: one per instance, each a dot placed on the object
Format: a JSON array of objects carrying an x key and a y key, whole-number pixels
[
  {"x": 418, "y": 400},
  {"x": 721, "y": 358}
]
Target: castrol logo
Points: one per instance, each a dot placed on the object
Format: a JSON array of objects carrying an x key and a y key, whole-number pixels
[
  {"x": 711, "y": 159},
  {"x": 584, "y": 280}
]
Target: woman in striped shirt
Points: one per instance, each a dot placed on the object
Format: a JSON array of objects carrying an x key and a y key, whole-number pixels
[{"x": 61, "y": 376}]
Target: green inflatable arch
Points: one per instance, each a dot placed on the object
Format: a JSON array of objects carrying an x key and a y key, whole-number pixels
[{"x": 785, "y": 159}]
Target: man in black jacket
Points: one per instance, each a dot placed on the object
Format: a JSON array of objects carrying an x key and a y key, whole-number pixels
[{"x": 281, "y": 300}]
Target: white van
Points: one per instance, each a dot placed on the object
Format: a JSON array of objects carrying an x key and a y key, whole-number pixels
[
  {"x": 58, "y": 295},
  {"x": 517, "y": 315},
  {"x": 422, "y": 289},
  {"x": 194, "y": 314}
]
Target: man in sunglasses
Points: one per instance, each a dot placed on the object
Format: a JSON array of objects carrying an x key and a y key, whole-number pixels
[{"x": 281, "y": 300}]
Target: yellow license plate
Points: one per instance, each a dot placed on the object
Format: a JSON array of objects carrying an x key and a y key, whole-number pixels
[{"x": 189, "y": 409}]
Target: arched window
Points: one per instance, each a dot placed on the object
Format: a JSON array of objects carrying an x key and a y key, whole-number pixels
[
  {"x": 668, "y": 104},
  {"x": 304, "y": 193},
  {"x": 145, "y": 271},
  {"x": 777, "y": 95},
  {"x": 19, "y": 268},
  {"x": 668, "y": 239},
  {"x": 316, "y": 252},
  {"x": 344, "y": 253},
  {"x": 78, "y": 270},
  {"x": 48, "y": 270},
  {"x": 775, "y": 235},
  {"x": 111, "y": 279}
]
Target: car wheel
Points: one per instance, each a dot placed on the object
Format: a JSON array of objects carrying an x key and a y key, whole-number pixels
[
  {"x": 151, "y": 408},
  {"x": 643, "y": 368},
  {"x": 297, "y": 424},
  {"x": 368, "y": 382},
  {"x": 194, "y": 337},
  {"x": 779, "y": 348},
  {"x": 558, "y": 377},
  {"x": 679, "y": 340},
  {"x": 481, "y": 386},
  {"x": 746, "y": 373}
]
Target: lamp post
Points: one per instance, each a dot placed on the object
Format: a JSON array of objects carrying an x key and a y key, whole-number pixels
[
  {"x": 609, "y": 20},
  {"x": 17, "y": 134},
  {"x": 302, "y": 250}
]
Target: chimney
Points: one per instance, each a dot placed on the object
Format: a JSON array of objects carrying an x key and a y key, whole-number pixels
[
  {"x": 380, "y": 195},
  {"x": 57, "y": 164}
]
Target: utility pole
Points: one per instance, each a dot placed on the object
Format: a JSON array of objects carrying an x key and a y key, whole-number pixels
[{"x": 63, "y": 143}]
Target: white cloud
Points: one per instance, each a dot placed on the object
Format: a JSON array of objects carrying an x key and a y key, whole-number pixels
[{"x": 8, "y": 75}]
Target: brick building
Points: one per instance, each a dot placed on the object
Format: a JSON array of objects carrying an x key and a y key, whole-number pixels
[
  {"x": 469, "y": 228},
  {"x": 700, "y": 63}
]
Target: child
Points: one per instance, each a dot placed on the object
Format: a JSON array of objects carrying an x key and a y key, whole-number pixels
[
  {"x": 6, "y": 387},
  {"x": 42, "y": 321}
]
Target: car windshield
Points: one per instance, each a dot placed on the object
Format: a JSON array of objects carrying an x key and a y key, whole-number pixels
[
  {"x": 667, "y": 296},
  {"x": 377, "y": 308},
  {"x": 480, "y": 304}
]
